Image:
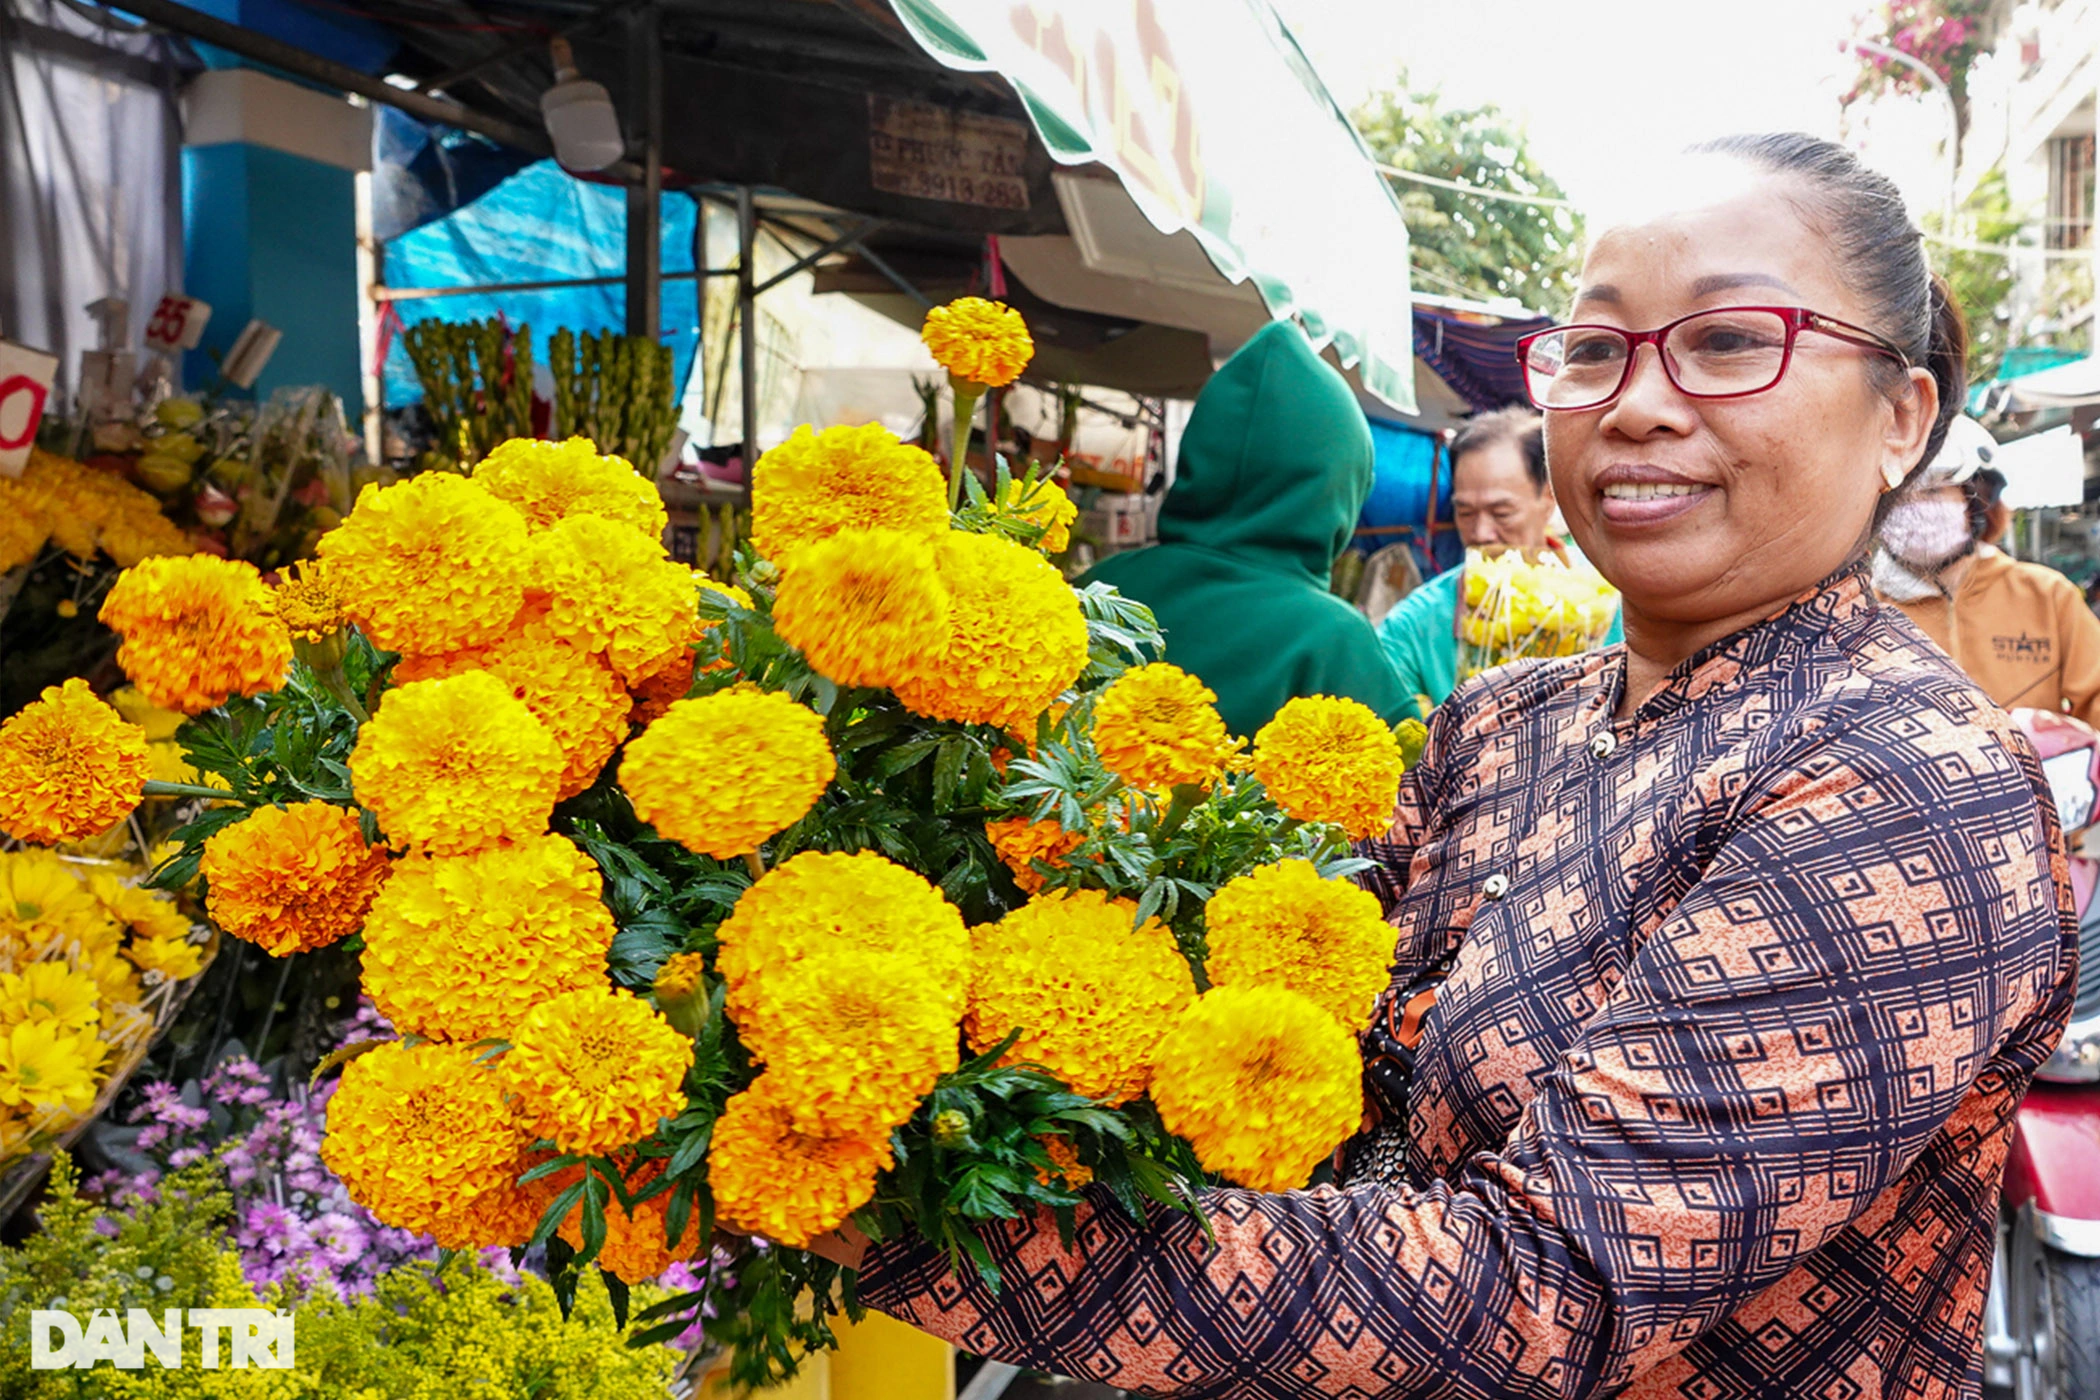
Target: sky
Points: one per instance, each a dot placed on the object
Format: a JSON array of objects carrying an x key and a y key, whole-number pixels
[{"x": 1608, "y": 88}]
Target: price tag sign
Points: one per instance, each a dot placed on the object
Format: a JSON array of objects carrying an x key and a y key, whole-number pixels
[
  {"x": 25, "y": 386},
  {"x": 178, "y": 323}
]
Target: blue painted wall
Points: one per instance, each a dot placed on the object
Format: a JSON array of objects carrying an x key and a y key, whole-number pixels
[{"x": 274, "y": 236}]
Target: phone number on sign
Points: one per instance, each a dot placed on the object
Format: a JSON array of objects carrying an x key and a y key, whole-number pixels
[{"x": 951, "y": 188}]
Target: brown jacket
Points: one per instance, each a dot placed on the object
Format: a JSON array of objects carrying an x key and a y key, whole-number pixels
[{"x": 2022, "y": 632}]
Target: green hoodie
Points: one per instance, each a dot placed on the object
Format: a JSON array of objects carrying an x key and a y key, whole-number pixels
[{"x": 1275, "y": 467}]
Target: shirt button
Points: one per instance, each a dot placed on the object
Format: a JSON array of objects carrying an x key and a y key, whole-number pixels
[
  {"x": 1604, "y": 745},
  {"x": 1496, "y": 885}
]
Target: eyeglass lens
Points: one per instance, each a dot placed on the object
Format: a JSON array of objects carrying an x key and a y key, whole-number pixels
[{"x": 1719, "y": 353}]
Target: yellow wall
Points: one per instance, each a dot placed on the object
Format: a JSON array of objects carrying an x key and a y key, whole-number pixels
[{"x": 881, "y": 1359}]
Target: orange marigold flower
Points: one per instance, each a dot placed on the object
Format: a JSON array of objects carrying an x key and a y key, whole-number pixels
[
  {"x": 69, "y": 767},
  {"x": 456, "y": 764},
  {"x": 816, "y": 484},
  {"x": 985, "y": 343},
  {"x": 430, "y": 565},
  {"x": 1157, "y": 727},
  {"x": 638, "y": 1246},
  {"x": 725, "y": 773},
  {"x": 612, "y": 591},
  {"x": 1021, "y": 842},
  {"x": 1065, "y": 1168},
  {"x": 197, "y": 631},
  {"x": 596, "y": 1069},
  {"x": 292, "y": 879},
  {"x": 1329, "y": 760},
  {"x": 864, "y": 606},
  {"x": 550, "y": 481},
  {"x": 1016, "y": 636},
  {"x": 782, "y": 1185}
]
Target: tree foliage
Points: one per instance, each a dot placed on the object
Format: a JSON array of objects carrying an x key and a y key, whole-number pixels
[
  {"x": 1981, "y": 282},
  {"x": 1464, "y": 245}
]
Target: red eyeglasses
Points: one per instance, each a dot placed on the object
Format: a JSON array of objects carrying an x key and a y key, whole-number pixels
[{"x": 1727, "y": 353}]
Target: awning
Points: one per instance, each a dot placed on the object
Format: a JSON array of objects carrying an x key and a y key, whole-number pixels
[
  {"x": 2065, "y": 386},
  {"x": 1216, "y": 126}
]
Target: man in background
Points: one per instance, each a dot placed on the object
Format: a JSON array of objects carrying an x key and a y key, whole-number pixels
[
  {"x": 1500, "y": 497},
  {"x": 1274, "y": 469},
  {"x": 2021, "y": 631}
]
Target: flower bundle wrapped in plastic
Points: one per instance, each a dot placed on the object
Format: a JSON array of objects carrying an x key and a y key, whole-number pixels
[
  {"x": 1514, "y": 605},
  {"x": 904, "y": 892}
]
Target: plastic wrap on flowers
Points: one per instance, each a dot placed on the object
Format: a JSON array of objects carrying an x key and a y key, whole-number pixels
[
  {"x": 867, "y": 885},
  {"x": 1514, "y": 605}
]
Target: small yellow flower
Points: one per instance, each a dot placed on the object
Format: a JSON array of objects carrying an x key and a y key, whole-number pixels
[
  {"x": 69, "y": 767},
  {"x": 197, "y": 631},
  {"x": 307, "y": 603},
  {"x": 1329, "y": 760},
  {"x": 1261, "y": 1082},
  {"x": 1065, "y": 1168},
  {"x": 864, "y": 606},
  {"x": 595, "y": 1070},
  {"x": 292, "y": 879},
  {"x": 1046, "y": 504},
  {"x": 724, "y": 773},
  {"x": 1021, "y": 842},
  {"x": 50, "y": 991},
  {"x": 455, "y": 765},
  {"x": 175, "y": 959},
  {"x": 45, "y": 1066},
  {"x": 1157, "y": 727},
  {"x": 984, "y": 343},
  {"x": 816, "y": 484}
]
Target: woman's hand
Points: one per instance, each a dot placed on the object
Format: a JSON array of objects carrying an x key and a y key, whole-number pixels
[{"x": 844, "y": 1246}]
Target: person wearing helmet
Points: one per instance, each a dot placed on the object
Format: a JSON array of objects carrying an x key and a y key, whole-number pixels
[{"x": 2021, "y": 631}]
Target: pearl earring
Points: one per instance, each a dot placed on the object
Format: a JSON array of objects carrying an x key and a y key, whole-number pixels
[{"x": 1892, "y": 475}]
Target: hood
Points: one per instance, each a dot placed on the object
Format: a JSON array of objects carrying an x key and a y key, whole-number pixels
[{"x": 1276, "y": 461}]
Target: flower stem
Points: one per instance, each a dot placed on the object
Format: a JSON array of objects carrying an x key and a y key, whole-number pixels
[
  {"x": 966, "y": 397},
  {"x": 756, "y": 864},
  {"x": 160, "y": 789},
  {"x": 1186, "y": 797}
]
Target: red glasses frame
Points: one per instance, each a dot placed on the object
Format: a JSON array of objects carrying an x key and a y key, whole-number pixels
[{"x": 1797, "y": 318}]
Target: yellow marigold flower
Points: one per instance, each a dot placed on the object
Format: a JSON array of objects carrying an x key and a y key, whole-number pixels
[
  {"x": 613, "y": 591},
  {"x": 637, "y": 1246},
  {"x": 308, "y": 603},
  {"x": 1090, "y": 997},
  {"x": 159, "y": 723},
  {"x": 504, "y": 1215},
  {"x": 69, "y": 767},
  {"x": 723, "y": 773},
  {"x": 456, "y": 764},
  {"x": 864, "y": 606},
  {"x": 419, "y": 1133},
  {"x": 197, "y": 630},
  {"x": 1329, "y": 760},
  {"x": 822, "y": 904},
  {"x": 681, "y": 976},
  {"x": 1016, "y": 637},
  {"x": 175, "y": 959},
  {"x": 42, "y": 899},
  {"x": 782, "y": 1185},
  {"x": 292, "y": 879},
  {"x": 595, "y": 1069},
  {"x": 1157, "y": 727},
  {"x": 852, "y": 1041},
  {"x": 816, "y": 484},
  {"x": 980, "y": 342},
  {"x": 1065, "y": 1168},
  {"x": 669, "y": 679},
  {"x": 1045, "y": 504},
  {"x": 1261, "y": 1082},
  {"x": 1283, "y": 926},
  {"x": 50, "y": 991},
  {"x": 45, "y": 1066},
  {"x": 574, "y": 694},
  {"x": 429, "y": 565},
  {"x": 550, "y": 481},
  {"x": 22, "y": 530},
  {"x": 462, "y": 947},
  {"x": 1021, "y": 842}
]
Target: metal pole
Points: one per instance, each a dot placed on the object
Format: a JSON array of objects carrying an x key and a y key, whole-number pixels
[
  {"x": 645, "y": 232},
  {"x": 747, "y": 318}
]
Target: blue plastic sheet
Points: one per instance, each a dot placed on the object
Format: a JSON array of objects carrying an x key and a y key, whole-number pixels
[
  {"x": 1409, "y": 472},
  {"x": 538, "y": 225}
]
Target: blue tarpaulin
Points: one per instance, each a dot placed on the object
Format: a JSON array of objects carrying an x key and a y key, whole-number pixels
[
  {"x": 1411, "y": 489},
  {"x": 538, "y": 225}
]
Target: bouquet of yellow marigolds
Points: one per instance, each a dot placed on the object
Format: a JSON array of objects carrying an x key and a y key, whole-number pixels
[
  {"x": 1515, "y": 604},
  {"x": 884, "y": 882}
]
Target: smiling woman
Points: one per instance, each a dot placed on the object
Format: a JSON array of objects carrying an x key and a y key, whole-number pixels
[{"x": 1722, "y": 958}]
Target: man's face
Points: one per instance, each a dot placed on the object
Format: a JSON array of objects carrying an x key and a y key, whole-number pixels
[{"x": 1494, "y": 500}]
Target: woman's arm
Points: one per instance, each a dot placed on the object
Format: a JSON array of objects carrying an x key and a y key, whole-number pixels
[{"x": 1880, "y": 929}]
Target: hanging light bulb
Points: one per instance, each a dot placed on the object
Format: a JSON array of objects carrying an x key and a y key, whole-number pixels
[{"x": 580, "y": 116}]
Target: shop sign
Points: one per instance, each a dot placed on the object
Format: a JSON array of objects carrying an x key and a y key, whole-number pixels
[
  {"x": 927, "y": 152},
  {"x": 25, "y": 386}
]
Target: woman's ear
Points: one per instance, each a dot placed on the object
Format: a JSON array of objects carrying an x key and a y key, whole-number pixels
[{"x": 1911, "y": 417}]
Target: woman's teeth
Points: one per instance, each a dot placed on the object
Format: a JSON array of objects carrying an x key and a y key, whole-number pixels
[{"x": 1647, "y": 492}]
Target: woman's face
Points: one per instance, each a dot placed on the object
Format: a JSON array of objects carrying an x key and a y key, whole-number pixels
[{"x": 1783, "y": 483}]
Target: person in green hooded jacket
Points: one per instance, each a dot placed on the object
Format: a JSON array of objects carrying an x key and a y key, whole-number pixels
[{"x": 1274, "y": 470}]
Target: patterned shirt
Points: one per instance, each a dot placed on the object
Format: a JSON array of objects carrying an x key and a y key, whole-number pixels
[{"x": 1695, "y": 1077}]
